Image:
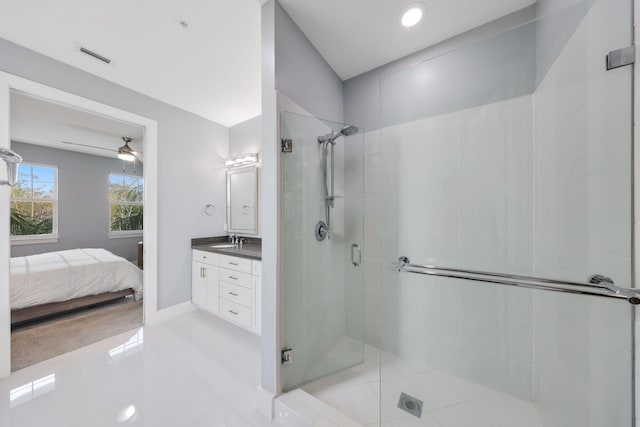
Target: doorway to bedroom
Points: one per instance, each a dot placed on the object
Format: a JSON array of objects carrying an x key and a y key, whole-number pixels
[{"x": 76, "y": 229}]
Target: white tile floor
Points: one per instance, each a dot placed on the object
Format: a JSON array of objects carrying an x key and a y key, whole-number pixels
[
  {"x": 197, "y": 370},
  {"x": 194, "y": 370},
  {"x": 448, "y": 401}
]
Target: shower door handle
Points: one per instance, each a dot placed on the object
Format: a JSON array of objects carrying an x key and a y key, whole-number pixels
[{"x": 355, "y": 247}]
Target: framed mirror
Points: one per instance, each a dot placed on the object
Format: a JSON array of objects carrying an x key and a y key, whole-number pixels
[{"x": 242, "y": 200}]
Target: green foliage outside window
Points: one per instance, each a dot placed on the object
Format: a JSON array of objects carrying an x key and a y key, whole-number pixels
[
  {"x": 33, "y": 201},
  {"x": 126, "y": 210}
]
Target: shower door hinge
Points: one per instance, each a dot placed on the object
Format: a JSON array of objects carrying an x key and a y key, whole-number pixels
[
  {"x": 287, "y": 145},
  {"x": 286, "y": 356},
  {"x": 621, "y": 57}
]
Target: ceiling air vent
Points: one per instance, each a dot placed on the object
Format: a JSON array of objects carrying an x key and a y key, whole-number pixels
[{"x": 95, "y": 55}]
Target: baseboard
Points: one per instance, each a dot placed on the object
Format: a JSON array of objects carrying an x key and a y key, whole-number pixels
[
  {"x": 170, "y": 312},
  {"x": 265, "y": 403}
]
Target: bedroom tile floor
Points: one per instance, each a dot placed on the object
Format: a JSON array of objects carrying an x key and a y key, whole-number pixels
[{"x": 193, "y": 370}]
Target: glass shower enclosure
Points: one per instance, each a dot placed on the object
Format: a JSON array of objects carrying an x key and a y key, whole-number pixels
[
  {"x": 508, "y": 191},
  {"x": 322, "y": 181},
  {"x": 499, "y": 220}
]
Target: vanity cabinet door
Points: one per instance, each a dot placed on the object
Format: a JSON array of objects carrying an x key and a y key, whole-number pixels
[{"x": 199, "y": 284}]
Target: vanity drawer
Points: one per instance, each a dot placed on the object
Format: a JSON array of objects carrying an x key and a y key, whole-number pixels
[
  {"x": 206, "y": 257},
  {"x": 235, "y": 293},
  {"x": 235, "y": 263},
  {"x": 256, "y": 268},
  {"x": 235, "y": 312},
  {"x": 235, "y": 277}
]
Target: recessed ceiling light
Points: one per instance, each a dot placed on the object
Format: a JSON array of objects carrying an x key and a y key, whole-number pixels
[{"x": 412, "y": 14}]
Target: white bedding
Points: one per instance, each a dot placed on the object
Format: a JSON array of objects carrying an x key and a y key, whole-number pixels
[{"x": 63, "y": 275}]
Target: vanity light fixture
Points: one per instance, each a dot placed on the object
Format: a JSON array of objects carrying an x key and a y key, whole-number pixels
[
  {"x": 412, "y": 14},
  {"x": 241, "y": 160}
]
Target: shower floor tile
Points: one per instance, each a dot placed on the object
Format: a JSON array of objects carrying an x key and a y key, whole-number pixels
[{"x": 448, "y": 401}]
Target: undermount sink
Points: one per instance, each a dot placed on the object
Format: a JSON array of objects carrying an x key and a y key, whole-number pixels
[{"x": 223, "y": 245}]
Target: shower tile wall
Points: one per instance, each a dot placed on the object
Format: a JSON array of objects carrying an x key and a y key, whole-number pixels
[{"x": 463, "y": 199}]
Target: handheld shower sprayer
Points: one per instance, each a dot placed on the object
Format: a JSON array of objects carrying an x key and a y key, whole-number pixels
[
  {"x": 328, "y": 143},
  {"x": 12, "y": 159}
]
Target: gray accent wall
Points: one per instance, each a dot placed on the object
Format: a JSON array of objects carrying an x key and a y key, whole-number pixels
[
  {"x": 514, "y": 53},
  {"x": 187, "y": 180},
  {"x": 83, "y": 205},
  {"x": 557, "y": 21},
  {"x": 487, "y": 71},
  {"x": 470, "y": 68},
  {"x": 246, "y": 137},
  {"x": 302, "y": 74}
]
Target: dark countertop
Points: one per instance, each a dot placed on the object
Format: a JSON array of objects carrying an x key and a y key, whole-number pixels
[{"x": 252, "y": 249}]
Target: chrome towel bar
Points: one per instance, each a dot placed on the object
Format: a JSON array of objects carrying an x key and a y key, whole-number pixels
[{"x": 598, "y": 285}]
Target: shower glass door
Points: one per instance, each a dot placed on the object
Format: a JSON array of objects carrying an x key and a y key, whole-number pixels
[
  {"x": 323, "y": 313},
  {"x": 511, "y": 155}
]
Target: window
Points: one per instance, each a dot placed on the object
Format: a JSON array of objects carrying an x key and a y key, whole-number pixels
[
  {"x": 34, "y": 203},
  {"x": 125, "y": 204}
]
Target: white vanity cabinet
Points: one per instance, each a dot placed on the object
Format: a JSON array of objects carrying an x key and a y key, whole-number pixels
[
  {"x": 204, "y": 281},
  {"x": 229, "y": 287}
]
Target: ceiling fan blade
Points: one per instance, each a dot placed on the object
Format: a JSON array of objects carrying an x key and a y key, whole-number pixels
[{"x": 89, "y": 146}]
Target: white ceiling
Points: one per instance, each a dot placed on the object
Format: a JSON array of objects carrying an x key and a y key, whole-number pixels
[
  {"x": 355, "y": 36},
  {"x": 44, "y": 123},
  {"x": 212, "y": 68}
]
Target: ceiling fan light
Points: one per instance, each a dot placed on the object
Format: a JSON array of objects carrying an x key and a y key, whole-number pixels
[
  {"x": 125, "y": 152},
  {"x": 127, "y": 157}
]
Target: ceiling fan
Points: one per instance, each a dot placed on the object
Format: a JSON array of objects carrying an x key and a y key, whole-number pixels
[{"x": 124, "y": 152}]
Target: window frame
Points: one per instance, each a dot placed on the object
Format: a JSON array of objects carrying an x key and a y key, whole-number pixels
[
  {"x": 123, "y": 233},
  {"x": 30, "y": 239}
]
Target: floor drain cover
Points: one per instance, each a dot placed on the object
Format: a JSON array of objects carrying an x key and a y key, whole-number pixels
[{"x": 410, "y": 404}]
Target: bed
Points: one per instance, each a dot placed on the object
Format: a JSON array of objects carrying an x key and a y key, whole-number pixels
[{"x": 54, "y": 282}]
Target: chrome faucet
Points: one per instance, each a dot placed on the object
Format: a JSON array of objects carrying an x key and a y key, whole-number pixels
[
  {"x": 233, "y": 239},
  {"x": 241, "y": 241}
]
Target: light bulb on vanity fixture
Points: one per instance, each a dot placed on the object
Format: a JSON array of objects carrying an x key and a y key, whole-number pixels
[{"x": 241, "y": 160}]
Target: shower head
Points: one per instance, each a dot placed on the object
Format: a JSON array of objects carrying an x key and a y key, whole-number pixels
[
  {"x": 345, "y": 131},
  {"x": 349, "y": 130}
]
